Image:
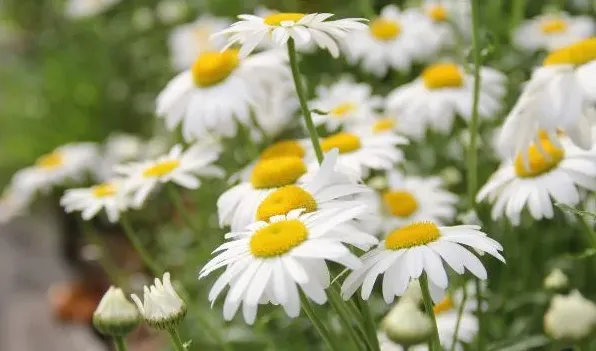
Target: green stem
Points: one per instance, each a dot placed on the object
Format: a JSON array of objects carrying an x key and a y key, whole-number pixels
[
  {"x": 460, "y": 312},
  {"x": 119, "y": 343},
  {"x": 312, "y": 130},
  {"x": 517, "y": 13},
  {"x": 480, "y": 315},
  {"x": 317, "y": 323},
  {"x": 136, "y": 243},
  {"x": 434, "y": 343},
  {"x": 176, "y": 198},
  {"x": 369, "y": 324},
  {"x": 344, "y": 316},
  {"x": 176, "y": 341},
  {"x": 591, "y": 235}
]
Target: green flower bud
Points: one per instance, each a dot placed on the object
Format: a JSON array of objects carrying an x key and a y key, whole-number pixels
[{"x": 115, "y": 315}]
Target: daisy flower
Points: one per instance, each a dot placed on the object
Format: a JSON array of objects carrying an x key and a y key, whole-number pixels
[
  {"x": 217, "y": 92},
  {"x": 446, "y": 16},
  {"x": 269, "y": 261},
  {"x": 161, "y": 307},
  {"x": 383, "y": 123},
  {"x": 417, "y": 248},
  {"x": 415, "y": 199},
  {"x": 555, "y": 168},
  {"x": 88, "y": 8},
  {"x": 190, "y": 40},
  {"x": 180, "y": 167},
  {"x": 552, "y": 31},
  {"x": 251, "y": 30},
  {"x": 361, "y": 152},
  {"x": 67, "y": 163},
  {"x": 394, "y": 40},
  {"x": 110, "y": 196},
  {"x": 559, "y": 96},
  {"x": 268, "y": 43},
  {"x": 345, "y": 102},
  {"x": 443, "y": 91}
]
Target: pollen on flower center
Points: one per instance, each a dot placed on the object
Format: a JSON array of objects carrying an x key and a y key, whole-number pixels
[
  {"x": 50, "y": 161},
  {"x": 442, "y": 75},
  {"x": 540, "y": 160},
  {"x": 161, "y": 169},
  {"x": 383, "y": 125},
  {"x": 554, "y": 26},
  {"x": 437, "y": 13},
  {"x": 212, "y": 67},
  {"x": 276, "y": 18},
  {"x": 343, "y": 109},
  {"x": 103, "y": 190},
  {"x": 277, "y": 172},
  {"x": 415, "y": 234},
  {"x": 345, "y": 142},
  {"x": 443, "y": 306},
  {"x": 277, "y": 238},
  {"x": 400, "y": 203},
  {"x": 284, "y": 200},
  {"x": 577, "y": 54},
  {"x": 384, "y": 29},
  {"x": 283, "y": 148}
]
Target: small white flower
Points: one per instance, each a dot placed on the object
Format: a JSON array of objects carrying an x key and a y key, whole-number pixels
[
  {"x": 570, "y": 317},
  {"x": 414, "y": 129},
  {"x": 346, "y": 103},
  {"x": 252, "y": 30},
  {"x": 268, "y": 261},
  {"x": 444, "y": 91},
  {"x": 88, "y": 8},
  {"x": 170, "y": 11},
  {"x": 110, "y": 196},
  {"x": 553, "y": 31},
  {"x": 556, "y": 280},
  {"x": 416, "y": 248},
  {"x": 115, "y": 315},
  {"x": 117, "y": 148},
  {"x": 449, "y": 20},
  {"x": 178, "y": 166},
  {"x": 405, "y": 324},
  {"x": 161, "y": 306},
  {"x": 275, "y": 109},
  {"x": 554, "y": 171}
]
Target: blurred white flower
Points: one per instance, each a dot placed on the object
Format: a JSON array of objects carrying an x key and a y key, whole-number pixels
[
  {"x": 14, "y": 203},
  {"x": 161, "y": 306},
  {"x": 570, "y": 318},
  {"x": 553, "y": 31},
  {"x": 119, "y": 147},
  {"x": 87, "y": 8},
  {"x": 110, "y": 196},
  {"x": 274, "y": 109},
  {"x": 444, "y": 91},
  {"x": 383, "y": 123},
  {"x": 406, "y": 324},
  {"x": 449, "y": 19},
  {"x": 115, "y": 315},
  {"x": 170, "y": 11},
  {"x": 556, "y": 280},
  {"x": 251, "y": 30}
]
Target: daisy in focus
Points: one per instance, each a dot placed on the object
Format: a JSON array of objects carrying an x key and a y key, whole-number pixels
[
  {"x": 217, "y": 92},
  {"x": 110, "y": 196},
  {"x": 346, "y": 103},
  {"x": 268, "y": 43},
  {"x": 393, "y": 41},
  {"x": 418, "y": 248},
  {"x": 88, "y": 8},
  {"x": 271, "y": 261},
  {"x": 303, "y": 28},
  {"x": 180, "y": 167},
  {"x": 559, "y": 96},
  {"x": 445, "y": 15},
  {"x": 443, "y": 91},
  {"x": 553, "y": 31},
  {"x": 189, "y": 41},
  {"x": 554, "y": 171},
  {"x": 415, "y": 199}
]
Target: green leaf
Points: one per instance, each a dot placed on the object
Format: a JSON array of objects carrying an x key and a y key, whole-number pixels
[
  {"x": 319, "y": 112},
  {"x": 575, "y": 211},
  {"x": 525, "y": 344}
]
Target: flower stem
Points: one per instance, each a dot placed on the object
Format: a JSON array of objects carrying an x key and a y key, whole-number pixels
[
  {"x": 136, "y": 243},
  {"x": 176, "y": 198},
  {"x": 479, "y": 315},
  {"x": 434, "y": 343},
  {"x": 369, "y": 324},
  {"x": 312, "y": 130},
  {"x": 344, "y": 316},
  {"x": 176, "y": 341},
  {"x": 460, "y": 312},
  {"x": 119, "y": 343},
  {"x": 317, "y": 323},
  {"x": 588, "y": 230},
  {"x": 517, "y": 13}
]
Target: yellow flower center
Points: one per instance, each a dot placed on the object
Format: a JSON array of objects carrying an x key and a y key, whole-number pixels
[
  {"x": 437, "y": 13},
  {"x": 285, "y": 199},
  {"x": 415, "y": 234},
  {"x": 540, "y": 161},
  {"x": 343, "y": 109},
  {"x": 50, "y": 161},
  {"x": 283, "y": 148},
  {"x": 400, "y": 203},
  {"x": 553, "y": 26},
  {"x": 345, "y": 142},
  {"x": 212, "y": 67},
  {"x": 445, "y": 305},
  {"x": 442, "y": 75},
  {"x": 277, "y": 172},
  {"x": 103, "y": 190},
  {"x": 277, "y": 238},
  {"x": 161, "y": 169},
  {"x": 384, "y": 29},
  {"x": 276, "y": 18},
  {"x": 575, "y": 54},
  {"x": 383, "y": 125}
]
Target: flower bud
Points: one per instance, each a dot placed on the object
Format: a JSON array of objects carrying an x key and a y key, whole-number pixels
[
  {"x": 556, "y": 281},
  {"x": 161, "y": 307},
  {"x": 413, "y": 293},
  {"x": 115, "y": 315},
  {"x": 570, "y": 318},
  {"x": 406, "y": 324}
]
